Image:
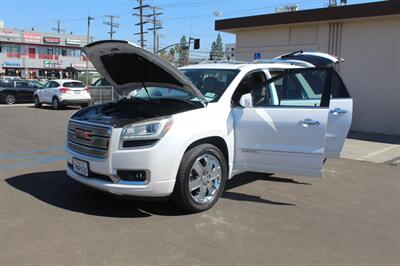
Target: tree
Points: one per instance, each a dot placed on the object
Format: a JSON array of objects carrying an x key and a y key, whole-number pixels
[{"x": 217, "y": 49}]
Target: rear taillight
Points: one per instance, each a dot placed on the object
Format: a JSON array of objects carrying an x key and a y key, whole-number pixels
[
  {"x": 64, "y": 90},
  {"x": 86, "y": 89}
]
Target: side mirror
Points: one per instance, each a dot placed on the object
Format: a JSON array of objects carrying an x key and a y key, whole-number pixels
[{"x": 246, "y": 100}]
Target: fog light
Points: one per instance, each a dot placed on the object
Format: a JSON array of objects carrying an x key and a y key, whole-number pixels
[{"x": 136, "y": 176}]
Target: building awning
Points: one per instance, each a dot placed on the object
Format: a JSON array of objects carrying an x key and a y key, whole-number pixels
[{"x": 384, "y": 8}]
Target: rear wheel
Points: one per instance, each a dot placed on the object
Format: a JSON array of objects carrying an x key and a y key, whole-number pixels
[
  {"x": 201, "y": 178},
  {"x": 36, "y": 101},
  {"x": 56, "y": 104},
  {"x": 9, "y": 99}
]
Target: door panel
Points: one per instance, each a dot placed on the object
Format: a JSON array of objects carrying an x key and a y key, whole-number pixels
[
  {"x": 274, "y": 140},
  {"x": 285, "y": 136},
  {"x": 339, "y": 122}
]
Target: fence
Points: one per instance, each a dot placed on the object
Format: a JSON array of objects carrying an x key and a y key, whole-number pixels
[{"x": 103, "y": 94}]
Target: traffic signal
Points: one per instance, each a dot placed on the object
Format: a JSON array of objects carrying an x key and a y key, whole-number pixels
[{"x": 196, "y": 44}]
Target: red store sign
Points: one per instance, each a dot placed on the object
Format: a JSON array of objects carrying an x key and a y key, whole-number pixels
[
  {"x": 32, "y": 37},
  {"x": 53, "y": 40}
]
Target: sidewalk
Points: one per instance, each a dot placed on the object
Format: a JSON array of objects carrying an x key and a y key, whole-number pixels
[{"x": 374, "y": 148}]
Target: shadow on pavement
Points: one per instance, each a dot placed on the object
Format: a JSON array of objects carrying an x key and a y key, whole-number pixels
[{"x": 57, "y": 189}]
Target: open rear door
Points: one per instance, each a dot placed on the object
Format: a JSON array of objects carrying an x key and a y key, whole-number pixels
[{"x": 341, "y": 104}]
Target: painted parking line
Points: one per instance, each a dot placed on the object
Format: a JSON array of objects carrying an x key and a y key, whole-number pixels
[{"x": 28, "y": 158}]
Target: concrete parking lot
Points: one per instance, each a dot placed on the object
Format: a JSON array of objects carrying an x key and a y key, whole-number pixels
[{"x": 349, "y": 217}]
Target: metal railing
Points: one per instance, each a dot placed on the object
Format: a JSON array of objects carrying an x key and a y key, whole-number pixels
[{"x": 103, "y": 94}]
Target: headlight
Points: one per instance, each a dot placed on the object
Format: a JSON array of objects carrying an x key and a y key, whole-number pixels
[{"x": 154, "y": 129}]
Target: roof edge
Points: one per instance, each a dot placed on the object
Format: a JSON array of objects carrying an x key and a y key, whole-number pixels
[{"x": 383, "y": 8}]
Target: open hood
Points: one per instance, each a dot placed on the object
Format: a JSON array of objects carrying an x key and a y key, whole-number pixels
[
  {"x": 127, "y": 66},
  {"x": 316, "y": 59}
]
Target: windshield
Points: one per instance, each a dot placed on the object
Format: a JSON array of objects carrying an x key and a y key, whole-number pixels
[{"x": 212, "y": 83}]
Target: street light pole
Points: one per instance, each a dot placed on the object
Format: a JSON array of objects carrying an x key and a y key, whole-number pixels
[{"x": 87, "y": 42}]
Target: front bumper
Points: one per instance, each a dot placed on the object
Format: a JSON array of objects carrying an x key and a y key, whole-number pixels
[
  {"x": 156, "y": 189},
  {"x": 161, "y": 171}
]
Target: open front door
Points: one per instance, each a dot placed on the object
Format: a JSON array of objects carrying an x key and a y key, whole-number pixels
[{"x": 283, "y": 131}]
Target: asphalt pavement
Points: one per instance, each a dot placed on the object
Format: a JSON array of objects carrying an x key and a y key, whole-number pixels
[{"x": 349, "y": 217}]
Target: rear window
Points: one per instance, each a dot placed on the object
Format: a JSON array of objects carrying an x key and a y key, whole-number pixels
[
  {"x": 74, "y": 84},
  {"x": 6, "y": 84}
]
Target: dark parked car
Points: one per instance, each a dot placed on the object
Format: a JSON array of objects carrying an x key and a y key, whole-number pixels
[{"x": 14, "y": 91}]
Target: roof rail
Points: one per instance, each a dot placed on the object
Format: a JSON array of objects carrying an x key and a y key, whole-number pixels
[
  {"x": 281, "y": 61},
  {"x": 223, "y": 62}
]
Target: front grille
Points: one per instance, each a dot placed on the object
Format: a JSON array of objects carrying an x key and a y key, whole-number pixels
[{"x": 96, "y": 141}]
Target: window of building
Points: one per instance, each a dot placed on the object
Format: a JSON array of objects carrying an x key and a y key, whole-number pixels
[
  {"x": 64, "y": 52},
  {"x": 50, "y": 51}
]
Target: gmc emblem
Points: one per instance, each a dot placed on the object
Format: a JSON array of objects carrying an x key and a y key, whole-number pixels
[{"x": 83, "y": 134}]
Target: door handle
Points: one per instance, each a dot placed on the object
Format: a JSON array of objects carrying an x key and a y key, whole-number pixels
[
  {"x": 308, "y": 122},
  {"x": 338, "y": 111}
]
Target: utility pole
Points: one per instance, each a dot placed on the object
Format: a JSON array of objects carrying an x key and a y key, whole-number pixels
[
  {"x": 58, "y": 28},
  {"x": 87, "y": 42},
  {"x": 112, "y": 24},
  {"x": 142, "y": 21},
  {"x": 157, "y": 25}
]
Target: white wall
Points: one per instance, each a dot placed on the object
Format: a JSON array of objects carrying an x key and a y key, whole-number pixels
[{"x": 371, "y": 48}]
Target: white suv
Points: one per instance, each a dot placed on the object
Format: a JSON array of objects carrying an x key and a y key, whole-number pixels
[
  {"x": 186, "y": 132},
  {"x": 61, "y": 92}
]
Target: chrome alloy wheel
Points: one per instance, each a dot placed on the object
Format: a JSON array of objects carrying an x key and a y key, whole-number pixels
[{"x": 205, "y": 179}]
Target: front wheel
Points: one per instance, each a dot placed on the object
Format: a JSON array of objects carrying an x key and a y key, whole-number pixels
[
  {"x": 201, "y": 178},
  {"x": 36, "y": 101}
]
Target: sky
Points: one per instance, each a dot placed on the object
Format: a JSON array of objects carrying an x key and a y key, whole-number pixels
[{"x": 193, "y": 18}]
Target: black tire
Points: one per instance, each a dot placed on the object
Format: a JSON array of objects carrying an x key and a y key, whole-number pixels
[
  {"x": 56, "y": 104},
  {"x": 36, "y": 101},
  {"x": 9, "y": 99},
  {"x": 83, "y": 105},
  {"x": 181, "y": 195}
]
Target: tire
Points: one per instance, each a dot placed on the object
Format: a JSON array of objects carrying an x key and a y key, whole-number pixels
[
  {"x": 36, "y": 101},
  {"x": 190, "y": 186},
  {"x": 10, "y": 99},
  {"x": 83, "y": 105},
  {"x": 56, "y": 104}
]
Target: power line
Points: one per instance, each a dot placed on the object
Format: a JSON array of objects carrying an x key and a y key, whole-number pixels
[
  {"x": 142, "y": 21},
  {"x": 157, "y": 25},
  {"x": 112, "y": 24}
]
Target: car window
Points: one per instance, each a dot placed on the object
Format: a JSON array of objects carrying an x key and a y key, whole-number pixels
[
  {"x": 212, "y": 83},
  {"x": 294, "y": 88},
  {"x": 35, "y": 85},
  {"x": 6, "y": 84},
  {"x": 54, "y": 84},
  {"x": 21, "y": 84},
  {"x": 97, "y": 83},
  {"x": 339, "y": 89},
  {"x": 73, "y": 84},
  {"x": 104, "y": 82},
  {"x": 248, "y": 84}
]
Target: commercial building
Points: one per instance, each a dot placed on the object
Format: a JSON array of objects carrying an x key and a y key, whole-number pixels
[
  {"x": 32, "y": 54},
  {"x": 230, "y": 51},
  {"x": 367, "y": 36}
]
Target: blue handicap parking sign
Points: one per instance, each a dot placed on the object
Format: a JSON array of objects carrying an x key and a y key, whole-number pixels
[{"x": 257, "y": 56}]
